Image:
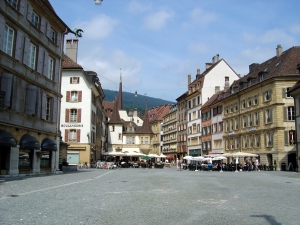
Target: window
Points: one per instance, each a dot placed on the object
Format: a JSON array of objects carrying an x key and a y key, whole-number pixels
[
  {"x": 146, "y": 140},
  {"x": 267, "y": 95},
  {"x": 141, "y": 140},
  {"x": 50, "y": 68},
  {"x": 130, "y": 140},
  {"x": 236, "y": 123},
  {"x": 244, "y": 104},
  {"x": 32, "y": 56},
  {"x": 74, "y": 80},
  {"x": 291, "y": 113},
  {"x": 269, "y": 115},
  {"x": 13, "y": 3},
  {"x": 120, "y": 136},
  {"x": 257, "y": 140},
  {"x": 35, "y": 19},
  {"x": 250, "y": 119},
  {"x": 256, "y": 118},
  {"x": 220, "y": 126},
  {"x": 245, "y": 121},
  {"x": 72, "y": 135},
  {"x": 269, "y": 139},
  {"x": 52, "y": 35},
  {"x": 250, "y": 101},
  {"x": 255, "y": 99},
  {"x": 8, "y": 40},
  {"x": 261, "y": 77},
  {"x": 288, "y": 95},
  {"x": 48, "y": 108},
  {"x": 73, "y": 115},
  {"x": 74, "y": 96},
  {"x": 252, "y": 141},
  {"x": 246, "y": 141}
]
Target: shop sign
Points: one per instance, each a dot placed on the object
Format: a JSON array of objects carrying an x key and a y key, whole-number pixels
[{"x": 72, "y": 125}]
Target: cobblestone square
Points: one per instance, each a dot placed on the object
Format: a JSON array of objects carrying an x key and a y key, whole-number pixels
[{"x": 151, "y": 196}]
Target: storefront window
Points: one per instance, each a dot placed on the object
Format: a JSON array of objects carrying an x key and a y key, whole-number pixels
[
  {"x": 45, "y": 159},
  {"x": 24, "y": 158}
]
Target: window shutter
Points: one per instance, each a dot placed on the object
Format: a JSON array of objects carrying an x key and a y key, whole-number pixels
[
  {"x": 283, "y": 92},
  {"x": 38, "y": 103},
  {"x": 2, "y": 33},
  {"x": 43, "y": 25},
  {"x": 70, "y": 80},
  {"x": 79, "y": 96},
  {"x": 58, "y": 39},
  {"x": 44, "y": 102},
  {"x": 48, "y": 28},
  {"x": 18, "y": 49},
  {"x": 284, "y": 113},
  {"x": 67, "y": 116},
  {"x": 78, "y": 115},
  {"x": 54, "y": 115},
  {"x": 40, "y": 64},
  {"x": 264, "y": 112},
  {"x": 78, "y": 135},
  {"x": 66, "y": 135},
  {"x": 31, "y": 93},
  {"x": 78, "y": 80},
  {"x": 67, "y": 96},
  {"x": 46, "y": 61},
  {"x": 286, "y": 137},
  {"x": 26, "y": 51},
  {"x": 56, "y": 73},
  {"x": 22, "y": 7},
  {"x": 29, "y": 12},
  {"x": 271, "y": 115},
  {"x": 6, "y": 85}
]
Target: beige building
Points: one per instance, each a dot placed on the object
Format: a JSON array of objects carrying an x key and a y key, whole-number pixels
[
  {"x": 258, "y": 114},
  {"x": 170, "y": 133},
  {"x": 181, "y": 126}
]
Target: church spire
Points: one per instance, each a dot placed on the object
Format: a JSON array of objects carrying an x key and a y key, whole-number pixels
[
  {"x": 146, "y": 128},
  {"x": 120, "y": 95}
]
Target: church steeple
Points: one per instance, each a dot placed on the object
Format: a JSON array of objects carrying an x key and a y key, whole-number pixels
[
  {"x": 120, "y": 95},
  {"x": 115, "y": 116},
  {"x": 146, "y": 128}
]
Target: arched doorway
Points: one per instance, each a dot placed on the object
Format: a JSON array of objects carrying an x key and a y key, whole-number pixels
[
  {"x": 269, "y": 160},
  {"x": 292, "y": 166}
]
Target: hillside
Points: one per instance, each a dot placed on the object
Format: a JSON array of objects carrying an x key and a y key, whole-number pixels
[{"x": 139, "y": 102}]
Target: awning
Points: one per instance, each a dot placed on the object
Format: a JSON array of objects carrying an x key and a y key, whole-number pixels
[
  {"x": 48, "y": 145},
  {"x": 29, "y": 142},
  {"x": 6, "y": 139}
]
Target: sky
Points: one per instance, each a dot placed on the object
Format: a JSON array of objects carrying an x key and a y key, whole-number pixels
[{"x": 154, "y": 45}]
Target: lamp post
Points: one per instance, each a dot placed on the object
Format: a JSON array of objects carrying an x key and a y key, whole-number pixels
[{"x": 98, "y": 2}]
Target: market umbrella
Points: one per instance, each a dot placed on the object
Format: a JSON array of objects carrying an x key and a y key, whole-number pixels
[
  {"x": 145, "y": 157},
  {"x": 162, "y": 156},
  {"x": 197, "y": 158},
  {"x": 220, "y": 158}
]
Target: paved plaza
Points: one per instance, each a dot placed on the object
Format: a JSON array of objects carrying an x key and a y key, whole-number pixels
[{"x": 152, "y": 196}]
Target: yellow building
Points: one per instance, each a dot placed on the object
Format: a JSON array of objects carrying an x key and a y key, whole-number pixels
[{"x": 258, "y": 115}]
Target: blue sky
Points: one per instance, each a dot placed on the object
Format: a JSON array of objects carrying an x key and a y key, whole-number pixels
[{"x": 158, "y": 43}]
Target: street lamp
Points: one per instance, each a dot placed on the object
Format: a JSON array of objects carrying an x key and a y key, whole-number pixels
[{"x": 98, "y": 2}]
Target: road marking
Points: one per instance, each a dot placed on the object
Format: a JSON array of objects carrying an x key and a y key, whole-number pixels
[{"x": 58, "y": 186}]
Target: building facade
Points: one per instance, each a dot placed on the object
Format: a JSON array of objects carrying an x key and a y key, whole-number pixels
[
  {"x": 259, "y": 115},
  {"x": 31, "y": 48},
  {"x": 199, "y": 91},
  {"x": 181, "y": 126},
  {"x": 170, "y": 133},
  {"x": 82, "y": 95}
]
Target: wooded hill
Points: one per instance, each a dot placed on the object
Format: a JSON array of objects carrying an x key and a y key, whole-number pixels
[{"x": 139, "y": 102}]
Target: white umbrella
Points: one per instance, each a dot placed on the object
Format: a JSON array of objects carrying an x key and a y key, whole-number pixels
[
  {"x": 197, "y": 158},
  {"x": 154, "y": 155},
  {"x": 239, "y": 154},
  {"x": 188, "y": 157},
  {"x": 162, "y": 156},
  {"x": 220, "y": 158},
  {"x": 113, "y": 153}
]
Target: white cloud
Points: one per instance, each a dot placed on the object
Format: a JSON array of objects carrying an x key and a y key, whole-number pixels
[
  {"x": 199, "y": 17},
  {"x": 99, "y": 27},
  {"x": 137, "y": 7},
  {"x": 295, "y": 29},
  {"x": 274, "y": 36},
  {"x": 158, "y": 20}
]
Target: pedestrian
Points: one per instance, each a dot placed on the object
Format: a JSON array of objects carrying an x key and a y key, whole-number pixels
[
  {"x": 179, "y": 165},
  {"x": 257, "y": 164}
]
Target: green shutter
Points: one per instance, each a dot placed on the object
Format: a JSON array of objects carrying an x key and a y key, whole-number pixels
[
  {"x": 286, "y": 138},
  {"x": 284, "y": 113}
]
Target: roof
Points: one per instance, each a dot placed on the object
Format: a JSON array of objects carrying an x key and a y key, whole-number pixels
[
  {"x": 284, "y": 65},
  {"x": 157, "y": 113},
  {"x": 146, "y": 128},
  {"x": 211, "y": 100},
  {"x": 68, "y": 63},
  {"x": 115, "y": 116}
]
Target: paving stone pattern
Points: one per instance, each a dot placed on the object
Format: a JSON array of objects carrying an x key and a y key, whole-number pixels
[{"x": 152, "y": 196}]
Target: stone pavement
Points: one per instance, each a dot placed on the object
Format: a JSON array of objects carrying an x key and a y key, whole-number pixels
[{"x": 152, "y": 196}]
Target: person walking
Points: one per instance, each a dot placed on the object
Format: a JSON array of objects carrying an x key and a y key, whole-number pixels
[
  {"x": 179, "y": 164},
  {"x": 256, "y": 165}
]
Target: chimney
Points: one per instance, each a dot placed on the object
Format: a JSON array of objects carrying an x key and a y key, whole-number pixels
[
  {"x": 198, "y": 74},
  {"x": 217, "y": 89},
  {"x": 207, "y": 65},
  {"x": 226, "y": 83},
  {"x": 189, "y": 79},
  {"x": 217, "y": 57},
  {"x": 278, "y": 50},
  {"x": 213, "y": 59},
  {"x": 253, "y": 67},
  {"x": 71, "y": 49}
]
